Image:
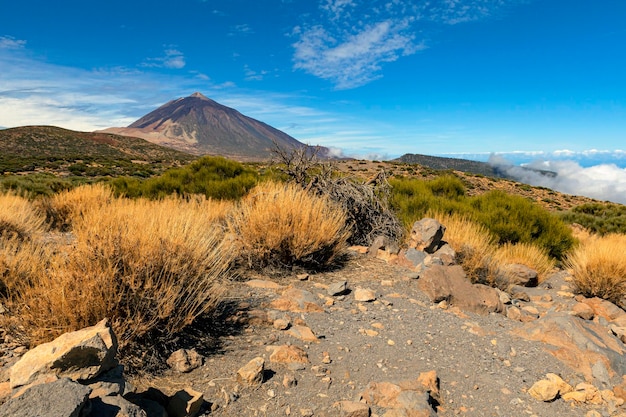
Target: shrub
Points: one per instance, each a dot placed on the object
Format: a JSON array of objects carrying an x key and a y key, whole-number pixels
[
  {"x": 281, "y": 225},
  {"x": 18, "y": 218},
  {"x": 472, "y": 243},
  {"x": 600, "y": 218},
  {"x": 598, "y": 267},
  {"x": 149, "y": 266},
  {"x": 513, "y": 219},
  {"x": 211, "y": 176}
]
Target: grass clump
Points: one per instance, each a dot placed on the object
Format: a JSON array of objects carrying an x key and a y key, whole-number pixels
[
  {"x": 472, "y": 242},
  {"x": 282, "y": 225},
  {"x": 598, "y": 267},
  {"x": 151, "y": 267},
  {"x": 532, "y": 256},
  {"x": 18, "y": 218}
]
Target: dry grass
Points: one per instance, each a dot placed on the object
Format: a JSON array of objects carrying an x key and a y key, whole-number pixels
[
  {"x": 526, "y": 254},
  {"x": 598, "y": 266},
  {"x": 281, "y": 225},
  {"x": 18, "y": 218},
  {"x": 146, "y": 265},
  {"x": 472, "y": 243}
]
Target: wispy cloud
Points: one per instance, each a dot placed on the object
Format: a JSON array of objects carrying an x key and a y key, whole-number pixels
[
  {"x": 353, "y": 39},
  {"x": 9, "y": 42},
  {"x": 243, "y": 29},
  {"x": 172, "y": 58}
]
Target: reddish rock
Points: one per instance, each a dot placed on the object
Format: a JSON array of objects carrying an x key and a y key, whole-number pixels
[
  {"x": 303, "y": 333},
  {"x": 287, "y": 354},
  {"x": 297, "y": 301}
]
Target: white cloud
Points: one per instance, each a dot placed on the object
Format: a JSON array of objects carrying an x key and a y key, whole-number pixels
[
  {"x": 605, "y": 181},
  {"x": 172, "y": 58},
  {"x": 9, "y": 42},
  {"x": 356, "y": 60}
]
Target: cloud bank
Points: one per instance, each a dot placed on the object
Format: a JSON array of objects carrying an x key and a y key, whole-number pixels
[
  {"x": 605, "y": 181},
  {"x": 353, "y": 39}
]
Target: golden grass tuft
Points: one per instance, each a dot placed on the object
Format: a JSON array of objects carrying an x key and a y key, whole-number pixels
[
  {"x": 471, "y": 241},
  {"x": 18, "y": 218},
  {"x": 532, "y": 256},
  {"x": 146, "y": 265},
  {"x": 598, "y": 266},
  {"x": 281, "y": 225}
]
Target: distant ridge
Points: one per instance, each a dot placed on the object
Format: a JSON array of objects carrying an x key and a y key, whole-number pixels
[
  {"x": 463, "y": 165},
  {"x": 199, "y": 125}
]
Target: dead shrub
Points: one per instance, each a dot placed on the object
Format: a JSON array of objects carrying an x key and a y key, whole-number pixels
[
  {"x": 364, "y": 202},
  {"x": 18, "y": 218},
  {"x": 598, "y": 267},
  {"x": 532, "y": 256},
  {"x": 472, "y": 242},
  {"x": 281, "y": 225},
  {"x": 149, "y": 266}
]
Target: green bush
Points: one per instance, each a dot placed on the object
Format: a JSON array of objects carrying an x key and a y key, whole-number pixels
[
  {"x": 213, "y": 177},
  {"x": 509, "y": 218},
  {"x": 600, "y": 218}
]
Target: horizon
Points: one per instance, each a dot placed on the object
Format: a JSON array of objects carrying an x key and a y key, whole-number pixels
[{"x": 372, "y": 80}]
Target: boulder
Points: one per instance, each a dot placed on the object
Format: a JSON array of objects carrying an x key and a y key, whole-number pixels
[
  {"x": 185, "y": 403},
  {"x": 426, "y": 235},
  {"x": 414, "y": 258},
  {"x": 364, "y": 295},
  {"x": 382, "y": 243},
  {"x": 449, "y": 283},
  {"x": 303, "y": 333},
  {"x": 115, "y": 406},
  {"x": 79, "y": 355},
  {"x": 352, "y": 409},
  {"x": 550, "y": 388},
  {"x": 297, "y": 301},
  {"x": 61, "y": 398},
  {"x": 518, "y": 274},
  {"x": 578, "y": 343},
  {"x": 446, "y": 254},
  {"x": 287, "y": 354}
]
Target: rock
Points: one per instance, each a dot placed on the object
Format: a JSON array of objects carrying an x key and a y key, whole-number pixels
[
  {"x": 518, "y": 274},
  {"x": 414, "y": 258},
  {"x": 584, "y": 393},
  {"x": 604, "y": 308},
  {"x": 297, "y": 301},
  {"x": 364, "y": 295},
  {"x": 62, "y": 398},
  {"x": 446, "y": 254},
  {"x": 79, "y": 355},
  {"x": 289, "y": 381},
  {"x": 185, "y": 360},
  {"x": 352, "y": 409},
  {"x": 514, "y": 313},
  {"x": 544, "y": 390},
  {"x": 281, "y": 324},
  {"x": 152, "y": 401},
  {"x": 252, "y": 372},
  {"x": 337, "y": 288},
  {"x": 382, "y": 243},
  {"x": 409, "y": 398},
  {"x": 426, "y": 235},
  {"x": 450, "y": 283},
  {"x": 115, "y": 406},
  {"x": 303, "y": 333},
  {"x": 263, "y": 284},
  {"x": 578, "y": 343},
  {"x": 288, "y": 354},
  {"x": 185, "y": 403},
  {"x": 583, "y": 310}
]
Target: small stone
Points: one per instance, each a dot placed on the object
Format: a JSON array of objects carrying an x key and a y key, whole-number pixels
[
  {"x": 303, "y": 333},
  {"x": 364, "y": 295},
  {"x": 337, "y": 288},
  {"x": 271, "y": 393},
  {"x": 288, "y": 354},
  {"x": 306, "y": 412},
  {"x": 281, "y": 324},
  {"x": 252, "y": 372},
  {"x": 352, "y": 409},
  {"x": 302, "y": 277},
  {"x": 185, "y": 403},
  {"x": 391, "y": 342},
  {"x": 289, "y": 381},
  {"x": 326, "y": 357},
  {"x": 583, "y": 310},
  {"x": 185, "y": 360}
]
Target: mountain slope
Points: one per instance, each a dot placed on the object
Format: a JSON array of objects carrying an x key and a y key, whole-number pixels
[
  {"x": 199, "y": 125},
  {"x": 53, "y": 149}
]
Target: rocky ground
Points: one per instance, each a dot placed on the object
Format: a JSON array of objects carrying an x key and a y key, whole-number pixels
[{"x": 372, "y": 339}]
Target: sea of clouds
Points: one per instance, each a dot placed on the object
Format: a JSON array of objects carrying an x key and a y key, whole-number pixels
[{"x": 597, "y": 174}]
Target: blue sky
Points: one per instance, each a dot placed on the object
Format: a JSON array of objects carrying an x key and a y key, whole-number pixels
[{"x": 373, "y": 78}]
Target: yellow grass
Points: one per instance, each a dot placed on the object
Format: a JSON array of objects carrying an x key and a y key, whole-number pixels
[
  {"x": 526, "y": 254},
  {"x": 61, "y": 209},
  {"x": 283, "y": 225},
  {"x": 472, "y": 243},
  {"x": 18, "y": 218},
  {"x": 598, "y": 266},
  {"x": 145, "y": 265}
]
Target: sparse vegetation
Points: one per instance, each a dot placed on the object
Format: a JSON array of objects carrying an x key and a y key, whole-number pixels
[
  {"x": 18, "y": 219},
  {"x": 598, "y": 266},
  {"x": 600, "y": 218},
  {"x": 281, "y": 225}
]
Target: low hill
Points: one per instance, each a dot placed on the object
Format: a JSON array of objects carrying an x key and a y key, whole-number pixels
[
  {"x": 61, "y": 151},
  {"x": 456, "y": 164}
]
